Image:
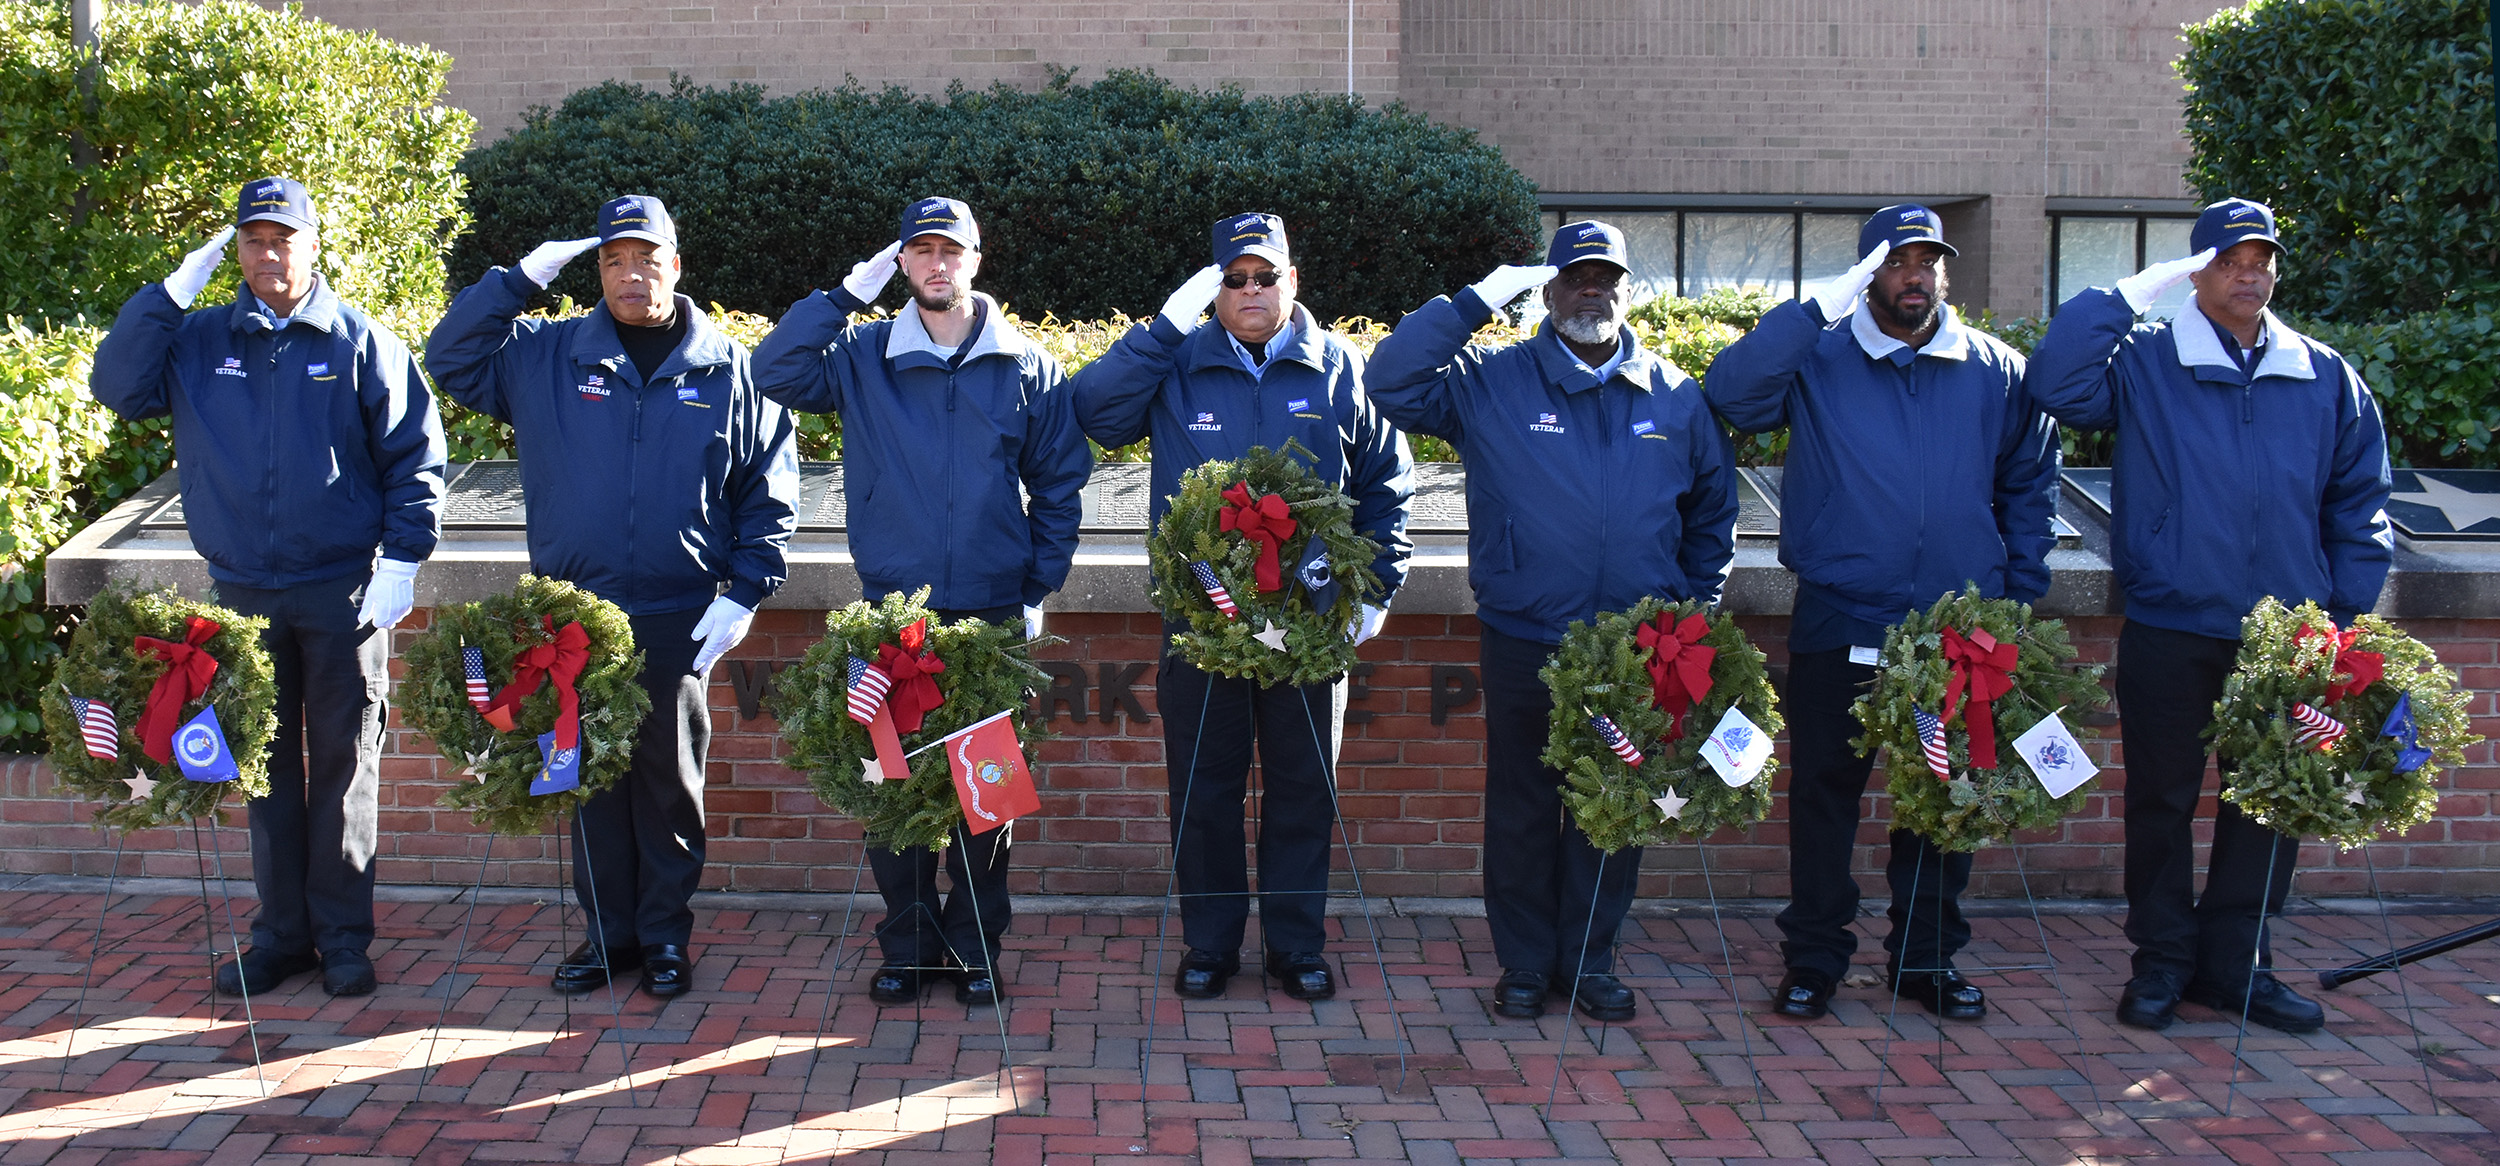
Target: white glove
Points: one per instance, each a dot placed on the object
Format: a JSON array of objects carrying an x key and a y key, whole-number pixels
[
  {"x": 869, "y": 276},
  {"x": 2146, "y": 286},
  {"x": 722, "y": 626},
  {"x": 1838, "y": 296},
  {"x": 1032, "y": 621},
  {"x": 184, "y": 285},
  {"x": 1507, "y": 281},
  {"x": 1190, "y": 302},
  {"x": 1366, "y": 625},
  {"x": 540, "y": 266},
  {"x": 390, "y": 595}
]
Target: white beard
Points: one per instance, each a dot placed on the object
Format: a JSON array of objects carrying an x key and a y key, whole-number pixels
[{"x": 1582, "y": 330}]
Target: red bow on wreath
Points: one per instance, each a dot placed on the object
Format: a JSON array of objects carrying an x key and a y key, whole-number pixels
[
  {"x": 1266, "y": 521},
  {"x": 2352, "y": 671},
  {"x": 1679, "y": 665},
  {"x": 1984, "y": 668},
  {"x": 913, "y": 672},
  {"x": 561, "y": 659},
  {"x": 188, "y": 669}
]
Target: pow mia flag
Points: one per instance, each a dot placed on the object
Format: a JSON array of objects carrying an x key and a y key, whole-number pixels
[{"x": 1316, "y": 577}]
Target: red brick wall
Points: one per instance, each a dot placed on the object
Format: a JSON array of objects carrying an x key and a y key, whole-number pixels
[{"x": 1412, "y": 794}]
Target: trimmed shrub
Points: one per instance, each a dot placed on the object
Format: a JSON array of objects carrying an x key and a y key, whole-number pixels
[
  {"x": 1092, "y": 199},
  {"x": 2437, "y": 376},
  {"x": 2367, "y": 125}
]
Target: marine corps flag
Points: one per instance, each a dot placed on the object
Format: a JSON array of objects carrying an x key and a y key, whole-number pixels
[{"x": 991, "y": 780}]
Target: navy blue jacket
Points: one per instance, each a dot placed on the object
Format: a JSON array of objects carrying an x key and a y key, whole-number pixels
[
  {"x": 2227, "y": 487},
  {"x": 1908, "y": 474},
  {"x": 1581, "y": 497},
  {"x": 1190, "y": 393},
  {"x": 933, "y": 453},
  {"x": 651, "y": 494},
  {"x": 301, "y": 450}
]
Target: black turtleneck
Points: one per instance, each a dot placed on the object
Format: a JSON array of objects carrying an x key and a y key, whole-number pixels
[{"x": 649, "y": 347}]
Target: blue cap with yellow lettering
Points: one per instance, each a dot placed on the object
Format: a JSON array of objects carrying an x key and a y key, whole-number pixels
[
  {"x": 1588, "y": 239},
  {"x": 637, "y": 216},
  {"x": 1901, "y": 226},
  {"x": 1251, "y": 234},
  {"x": 945, "y": 217},
  {"x": 278, "y": 200},
  {"x": 2231, "y": 222}
]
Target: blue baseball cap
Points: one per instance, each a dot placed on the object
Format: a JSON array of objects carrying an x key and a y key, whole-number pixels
[
  {"x": 1251, "y": 234},
  {"x": 1901, "y": 226},
  {"x": 278, "y": 200},
  {"x": 1588, "y": 239},
  {"x": 945, "y": 217},
  {"x": 2231, "y": 222},
  {"x": 637, "y": 216}
]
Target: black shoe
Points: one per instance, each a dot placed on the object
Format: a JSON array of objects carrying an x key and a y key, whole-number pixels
[
  {"x": 1944, "y": 993},
  {"x": 346, "y": 973},
  {"x": 591, "y": 966},
  {"x": 975, "y": 987},
  {"x": 262, "y": 971},
  {"x": 1204, "y": 974},
  {"x": 666, "y": 970},
  {"x": 1304, "y": 975},
  {"x": 2268, "y": 1002},
  {"x": 2151, "y": 1001},
  {"x": 1805, "y": 994},
  {"x": 1519, "y": 995},
  {"x": 1600, "y": 996},
  {"x": 895, "y": 985}
]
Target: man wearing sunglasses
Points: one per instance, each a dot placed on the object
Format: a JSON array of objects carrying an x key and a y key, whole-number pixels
[
  {"x": 949, "y": 415},
  {"x": 1265, "y": 374},
  {"x": 1595, "y": 477}
]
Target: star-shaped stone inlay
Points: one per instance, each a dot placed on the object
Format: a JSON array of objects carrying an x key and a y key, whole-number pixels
[
  {"x": 1273, "y": 637},
  {"x": 1670, "y": 805},
  {"x": 140, "y": 787},
  {"x": 2462, "y": 508}
]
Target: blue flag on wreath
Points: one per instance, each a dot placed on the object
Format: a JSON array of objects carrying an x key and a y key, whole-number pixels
[
  {"x": 200, "y": 749},
  {"x": 558, "y": 769},
  {"x": 2410, "y": 755}
]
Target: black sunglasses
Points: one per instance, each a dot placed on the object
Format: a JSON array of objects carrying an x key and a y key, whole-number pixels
[{"x": 1238, "y": 280}]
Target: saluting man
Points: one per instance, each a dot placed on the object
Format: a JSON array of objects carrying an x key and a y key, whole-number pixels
[
  {"x": 2250, "y": 462},
  {"x": 947, "y": 409},
  {"x": 657, "y": 478},
  {"x": 1595, "y": 477},
  {"x": 1265, "y": 373},
  {"x": 307, "y": 441},
  {"x": 1916, "y": 463}
]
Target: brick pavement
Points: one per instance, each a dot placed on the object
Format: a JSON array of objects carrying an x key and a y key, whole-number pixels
[{"x": 779, "y": 1056}]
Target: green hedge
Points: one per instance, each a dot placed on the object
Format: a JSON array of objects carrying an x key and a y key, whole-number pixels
[
  {"x": 2437, "y": 376},
  {"x": 1092, "y": 199},
  {"x": 2367, "y": 125}
]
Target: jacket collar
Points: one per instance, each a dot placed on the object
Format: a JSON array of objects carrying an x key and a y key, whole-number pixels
[
  {"x": 1210, "y": 346},
  {"x": 1563, "y": 370},
  {"x": 2193, "y": 334},
  {"x": 319, "y": 309},
  {"x": 908, "y": 342},
  {"x": 1951, "y": 341},
  {"x": 596, "y": 342}
]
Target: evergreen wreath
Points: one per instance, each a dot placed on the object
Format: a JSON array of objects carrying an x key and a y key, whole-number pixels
[
  {"x": 981, "y": 669},
  {"x": 2354, "y": 780},
  {"x": 1201, "y": 527},
  {"x": 103, "y": 666},
  {"x": 434, "y": 697},
  {"x": 1988, "y": 798},
  {"x": 1603, "y": 669}
]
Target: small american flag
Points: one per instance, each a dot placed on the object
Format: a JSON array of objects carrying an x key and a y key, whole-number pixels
[
  {"x": 1215, "y": 589},
  {"x": 95, "y": 723},
  {"x": 866, "y": 696},
  {"x": 1931, "y": 738},
  {"x": 2317, "y": 730},
  {"x": 473, "y": 662},
  {"x": 1615, "y": 740}
]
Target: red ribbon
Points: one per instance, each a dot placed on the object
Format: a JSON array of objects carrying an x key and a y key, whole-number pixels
[
  {"x": 2357, "y": 670},
  {"x": 913, "y": 671},
  {"x": 188, "y": 669},
  {"x": 1267, "y": 521},
  {"x": 561, "y": 659},
  {"x": 1985, "y": 668},
  {"x": 1679, "y": 665}
]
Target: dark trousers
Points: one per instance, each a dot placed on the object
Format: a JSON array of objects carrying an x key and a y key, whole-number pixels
[
  {"x": 313, "y": 836},
  {"x": 638, "y": 845},
  {"x": 2168, "y": 682},
  {"x": 1210, "y": 725},
  {"x": 1554, "y": 902},
  {"x": 922, "y": 929},
  {"x": 1826, "y": 788}
]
